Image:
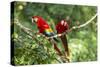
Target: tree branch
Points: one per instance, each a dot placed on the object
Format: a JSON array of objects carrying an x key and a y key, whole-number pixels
[
  {"x": 75, "y": 27},
  {"x": 89, "y": 21}
]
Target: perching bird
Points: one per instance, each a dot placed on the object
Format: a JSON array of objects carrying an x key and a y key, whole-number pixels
[
  {"x": 45, "y": 29},
  {"x": 61, "y": 27}
]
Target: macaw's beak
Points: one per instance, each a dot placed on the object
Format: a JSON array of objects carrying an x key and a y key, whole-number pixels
[{"x": 33, "y": 21}]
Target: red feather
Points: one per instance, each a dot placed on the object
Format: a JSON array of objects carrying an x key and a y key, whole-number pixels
[
  {"x": 62, "y": 26},
  {"x": 41, "y": 24}
]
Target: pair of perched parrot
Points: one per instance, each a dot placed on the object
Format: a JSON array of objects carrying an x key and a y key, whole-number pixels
[{"x": 45, "y": 29}]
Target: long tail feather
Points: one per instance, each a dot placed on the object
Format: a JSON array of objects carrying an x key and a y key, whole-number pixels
[
  {"x": 57, "y": 49},
  {"x": 65, "y": 43}
]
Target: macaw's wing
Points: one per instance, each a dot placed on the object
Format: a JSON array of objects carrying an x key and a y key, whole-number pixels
[{"x": 49, "y": 32}]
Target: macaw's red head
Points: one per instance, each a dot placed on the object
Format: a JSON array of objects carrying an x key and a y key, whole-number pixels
[
  {"x": 40, "y": 22},
  {"x": 35, "y": 19},
  {"x": 62, "y": 26}
]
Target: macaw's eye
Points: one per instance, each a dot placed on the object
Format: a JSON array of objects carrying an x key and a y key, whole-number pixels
[{"x": 34, "y": 20}]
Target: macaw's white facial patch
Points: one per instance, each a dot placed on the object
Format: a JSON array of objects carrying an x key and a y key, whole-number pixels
[{"x": 34, "y": 20}]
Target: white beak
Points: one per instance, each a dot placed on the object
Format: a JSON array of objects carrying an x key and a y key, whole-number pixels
[{"x": 33, "y": 21}]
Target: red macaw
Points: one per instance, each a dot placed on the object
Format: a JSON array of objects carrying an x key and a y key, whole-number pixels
[
  {"x": 45, "y": 29},
  {"x": 61, "y": 27}
]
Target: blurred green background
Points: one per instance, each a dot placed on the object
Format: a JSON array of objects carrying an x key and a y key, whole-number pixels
[{"x": 82, "y": 42}]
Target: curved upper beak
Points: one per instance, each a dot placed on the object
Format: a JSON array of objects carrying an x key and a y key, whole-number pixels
[{"x": 33, "y": 21}]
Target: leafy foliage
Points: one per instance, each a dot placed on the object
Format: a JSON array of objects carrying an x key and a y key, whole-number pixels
[{"x": 82, "y": 42}]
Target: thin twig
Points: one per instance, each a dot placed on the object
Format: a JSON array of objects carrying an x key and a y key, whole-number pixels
[{"x": 89, "y": 21}]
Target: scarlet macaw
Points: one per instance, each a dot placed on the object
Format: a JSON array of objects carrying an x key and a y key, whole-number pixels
[
  {"x": 61, "y": 27},
  {"x": 45, "y": 29}
]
